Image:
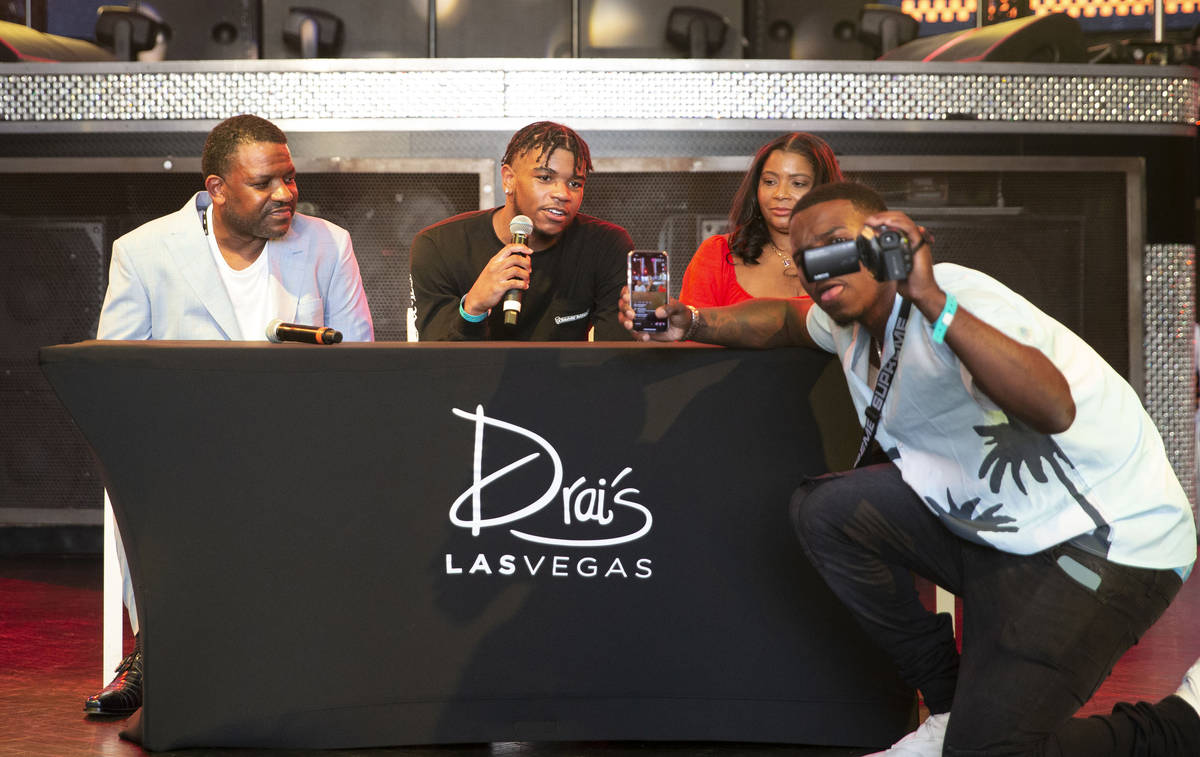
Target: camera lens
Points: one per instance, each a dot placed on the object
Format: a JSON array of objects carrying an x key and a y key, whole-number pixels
[{"x": 831, "y": 260}]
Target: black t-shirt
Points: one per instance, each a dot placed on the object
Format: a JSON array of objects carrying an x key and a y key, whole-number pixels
[{"x": 575, "y": 282}]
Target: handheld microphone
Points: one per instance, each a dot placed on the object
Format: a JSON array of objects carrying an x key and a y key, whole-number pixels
[
  {"x": 520, "y": 227},
  {"x": 278, "y": 331}
]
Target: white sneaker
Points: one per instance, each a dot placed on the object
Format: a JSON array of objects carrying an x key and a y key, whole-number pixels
[
  {"x": 1189, "y": 690},
  {"x": 927, "y": 740}
]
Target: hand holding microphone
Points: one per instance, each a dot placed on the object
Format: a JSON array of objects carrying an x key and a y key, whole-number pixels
[
  {"x": 278, "y": 331},
  {"x": 520, "y": 227},
  {"x": 504, "y": 278}
]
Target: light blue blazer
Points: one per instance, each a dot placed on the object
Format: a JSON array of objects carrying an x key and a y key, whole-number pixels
[{"x": 163, "y": 282}]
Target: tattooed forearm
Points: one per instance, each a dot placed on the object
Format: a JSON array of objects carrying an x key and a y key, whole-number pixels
[{"x": 754, "y": 324}]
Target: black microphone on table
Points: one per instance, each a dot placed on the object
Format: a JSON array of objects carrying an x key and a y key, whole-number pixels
[
  {"x": 520, "y": 227},
  {"x": 278, "y": 331}
]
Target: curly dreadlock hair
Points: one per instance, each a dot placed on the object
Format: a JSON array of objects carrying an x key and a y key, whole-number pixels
[{"x": 546, "y": 137}]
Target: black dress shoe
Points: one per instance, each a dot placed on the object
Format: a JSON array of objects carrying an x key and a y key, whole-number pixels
[{"x": 123, "y": 696}]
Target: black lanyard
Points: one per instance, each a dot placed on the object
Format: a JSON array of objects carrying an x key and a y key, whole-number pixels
[{"x": 883, "y": 383}]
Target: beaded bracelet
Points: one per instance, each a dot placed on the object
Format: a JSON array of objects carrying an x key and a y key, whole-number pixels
[
  {"x": 943, "y": 321},
  {"x": 467, "y": 316}
]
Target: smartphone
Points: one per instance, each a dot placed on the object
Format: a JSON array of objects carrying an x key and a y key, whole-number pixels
[{"x": 649, "y": 282}]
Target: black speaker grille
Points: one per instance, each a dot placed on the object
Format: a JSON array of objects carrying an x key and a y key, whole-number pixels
[
  {"x": 664, "y": 210},
  {"x": 45, "y": 464},
  {"x": 52, "y": 283},
  {"x": 52, "y": 275},
  {"x": 383, "y": 213}
]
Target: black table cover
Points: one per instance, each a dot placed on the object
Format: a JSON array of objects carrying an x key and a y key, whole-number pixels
[{"x": 430, "y": 543}]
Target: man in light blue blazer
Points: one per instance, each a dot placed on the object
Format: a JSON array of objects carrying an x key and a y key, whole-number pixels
[
  {"x": 167, "y": 282},
  {"x": 235, "y": 258}
]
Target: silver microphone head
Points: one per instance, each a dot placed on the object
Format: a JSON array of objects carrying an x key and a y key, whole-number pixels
[
  {"x": 273, "y": 331},
  {"x": 520, "y": 225}
]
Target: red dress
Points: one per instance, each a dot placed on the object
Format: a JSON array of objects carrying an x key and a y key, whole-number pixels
[{"x": 710, "y": 279}]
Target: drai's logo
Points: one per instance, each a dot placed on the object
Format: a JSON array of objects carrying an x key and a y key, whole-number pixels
[{"x": 608, "y": 507}]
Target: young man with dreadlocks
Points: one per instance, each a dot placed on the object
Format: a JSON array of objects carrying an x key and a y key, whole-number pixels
[{"x": 569, "y": 270}]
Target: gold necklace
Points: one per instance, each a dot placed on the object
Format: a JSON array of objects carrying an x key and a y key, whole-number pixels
[{"x": 787, "y": 262}]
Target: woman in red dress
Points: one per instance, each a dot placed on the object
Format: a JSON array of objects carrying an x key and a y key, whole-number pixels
[{"x": 755, "y": 258}]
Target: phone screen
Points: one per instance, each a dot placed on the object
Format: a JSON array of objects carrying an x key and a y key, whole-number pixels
[{"x": 649, "y": 282}]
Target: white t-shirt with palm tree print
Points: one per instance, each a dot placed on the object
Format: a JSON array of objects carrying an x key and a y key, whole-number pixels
[{"x": 1105, "y": 483}]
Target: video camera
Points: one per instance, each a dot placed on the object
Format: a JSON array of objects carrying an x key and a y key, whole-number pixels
[{"x": 885, "y": 253}]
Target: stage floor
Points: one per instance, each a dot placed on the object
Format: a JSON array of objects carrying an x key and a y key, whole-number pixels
[{"x": 50, "y": 661}]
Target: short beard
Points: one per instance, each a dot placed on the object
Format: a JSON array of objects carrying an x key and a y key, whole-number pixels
[{"x": 254, "y": 228}]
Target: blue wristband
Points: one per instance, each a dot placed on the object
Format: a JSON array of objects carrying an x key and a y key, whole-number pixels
[
  {"x": 943, "y": 321},
  {"x": 467, "y": 316}
]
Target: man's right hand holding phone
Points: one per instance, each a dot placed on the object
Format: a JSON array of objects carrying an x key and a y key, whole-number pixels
[{"x": 678, "y": 316}]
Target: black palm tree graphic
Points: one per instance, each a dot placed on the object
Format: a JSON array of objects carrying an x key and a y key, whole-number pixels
[
  {"x": 1014, "y": 445},
  {"x": 964, "y": 515}
]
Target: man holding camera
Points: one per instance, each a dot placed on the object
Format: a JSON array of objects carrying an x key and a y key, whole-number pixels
[{"x": 1021, "y": 473}]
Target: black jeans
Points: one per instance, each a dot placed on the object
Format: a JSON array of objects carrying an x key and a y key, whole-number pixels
[{"x": 1037, "y": 642}]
